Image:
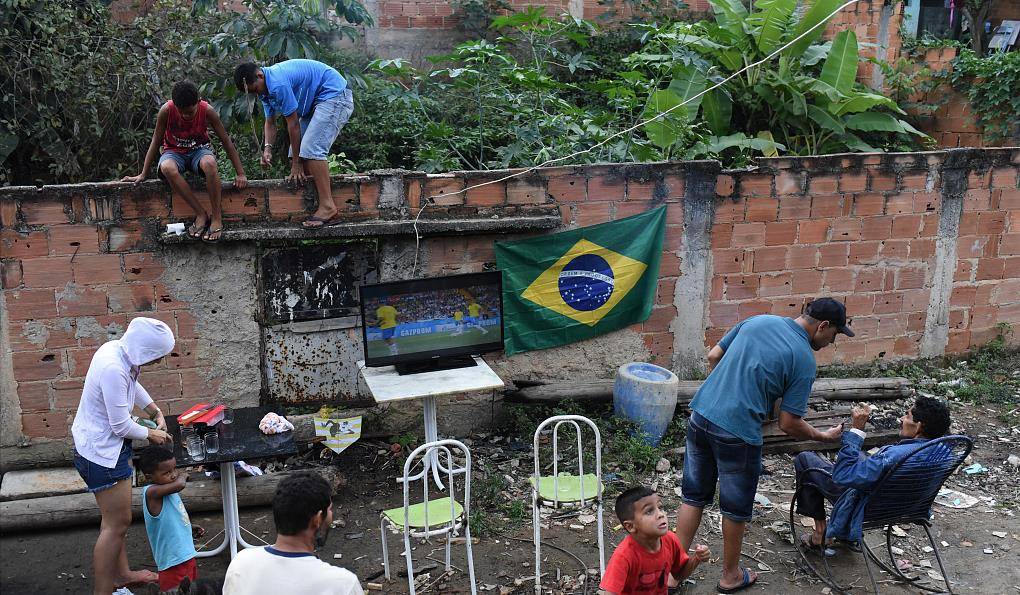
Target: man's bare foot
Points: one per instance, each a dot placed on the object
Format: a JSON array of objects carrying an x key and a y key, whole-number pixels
[
  {"x": 199, "y": 226},
  {"x": 137, "y": 577},
  {"x": 320, "y": 219},
  {"x": 743, "y": 580}
]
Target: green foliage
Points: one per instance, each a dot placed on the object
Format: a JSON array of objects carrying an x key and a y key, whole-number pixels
[
  {"x": 916, "y": 46},
  {"x": 533, "y": 89},
  {"x": 990, "y": 84},
  {"x": 81, "y": 91},
  {"x": 787, "y": 103},
  {"x": 75, "y": 94}
]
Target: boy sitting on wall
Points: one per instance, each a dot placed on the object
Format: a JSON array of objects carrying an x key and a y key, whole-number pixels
[{"x": 182, "y": 127}]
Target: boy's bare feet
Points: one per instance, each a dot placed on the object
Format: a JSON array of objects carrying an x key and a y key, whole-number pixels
[{"x": 136, "y": 577}]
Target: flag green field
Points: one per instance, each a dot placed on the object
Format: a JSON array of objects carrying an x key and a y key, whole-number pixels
[{"x": 574, "y": 285}]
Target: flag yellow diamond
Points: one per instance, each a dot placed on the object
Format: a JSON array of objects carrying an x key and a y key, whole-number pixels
[{"x": 586, "y": 283}]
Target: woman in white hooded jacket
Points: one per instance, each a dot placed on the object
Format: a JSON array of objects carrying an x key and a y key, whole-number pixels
[{"x": 103, "y": 431}]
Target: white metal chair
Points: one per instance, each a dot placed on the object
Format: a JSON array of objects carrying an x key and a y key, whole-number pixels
[
  {"x": 430, "y": 517},
  {"x": 565, "y": 489}
]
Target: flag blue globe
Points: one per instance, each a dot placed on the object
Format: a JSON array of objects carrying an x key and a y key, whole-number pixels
[{"x": 586, "y": 283}]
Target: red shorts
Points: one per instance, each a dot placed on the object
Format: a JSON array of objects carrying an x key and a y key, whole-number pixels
[{"x": 171, "y": 578}]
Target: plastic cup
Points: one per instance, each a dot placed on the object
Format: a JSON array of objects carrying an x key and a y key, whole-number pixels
[
  {"x": 196, "y": 447},
  {"x": 212, "y": 442},
  {"x": 228, "y": 417}
]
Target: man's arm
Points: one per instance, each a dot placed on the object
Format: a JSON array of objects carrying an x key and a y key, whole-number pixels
[
  {"x": 269, "y": 138},
  {"x": 294, "y": 134},
  {"x": 852, "y": 469},
  {"x": 153, "y": 150},
  {"x": 714, "y": 357},
  {"x": 240, "y": 180},
  {"x": 794, "y": 425}
]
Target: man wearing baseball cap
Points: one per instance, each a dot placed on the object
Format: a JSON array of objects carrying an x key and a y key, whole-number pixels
[{"x": 761, "y": 361}]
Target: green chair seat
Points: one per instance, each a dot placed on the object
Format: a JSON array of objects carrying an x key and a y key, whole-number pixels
[
  {"x": 439, "y": 513},
  {"x": 569, "y": 487}
]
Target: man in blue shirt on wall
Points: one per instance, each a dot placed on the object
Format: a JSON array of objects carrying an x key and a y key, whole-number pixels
[
  {"x": 761, "y": 361},
  {"x": 315, "y": 102}
]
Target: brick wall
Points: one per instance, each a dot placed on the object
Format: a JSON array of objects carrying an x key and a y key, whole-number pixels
[{"x": 78, "y": 262}]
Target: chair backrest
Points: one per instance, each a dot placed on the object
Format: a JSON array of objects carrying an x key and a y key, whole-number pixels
[
  {"x": 575, "y": 421},
  {"x": 906, "y": 492},
  {"x": 433, "y": 452}
]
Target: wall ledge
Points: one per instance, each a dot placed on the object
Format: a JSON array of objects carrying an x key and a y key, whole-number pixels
[{"x": 375, "y": 228}]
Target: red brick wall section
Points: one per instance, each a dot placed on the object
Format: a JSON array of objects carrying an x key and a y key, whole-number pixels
[
  {"x": 856, "y": 233},
  {"x": 952, "y": 125},
  {"x": 986, "y": 288},
  {"x": 78, "y": 262}
]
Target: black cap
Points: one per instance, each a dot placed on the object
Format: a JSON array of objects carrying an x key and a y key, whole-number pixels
[{"x": 830, "y": 310}]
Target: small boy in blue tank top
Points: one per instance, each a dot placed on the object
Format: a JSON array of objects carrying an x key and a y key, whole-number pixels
[{"x": 166, "y": 521}]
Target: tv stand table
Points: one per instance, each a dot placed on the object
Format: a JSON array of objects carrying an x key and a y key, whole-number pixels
[{"x": 387, "y": 385}]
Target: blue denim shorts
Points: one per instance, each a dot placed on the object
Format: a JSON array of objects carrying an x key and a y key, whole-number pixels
[
  {"x": 712, "y": 455},
  {"x": 99, "y": 478},
  {"x": 322, "y": 126},
  {"x": 185, "y": 161}
]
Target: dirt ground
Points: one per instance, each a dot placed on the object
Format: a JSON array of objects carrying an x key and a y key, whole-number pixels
[{"x": 59, "y": 561}]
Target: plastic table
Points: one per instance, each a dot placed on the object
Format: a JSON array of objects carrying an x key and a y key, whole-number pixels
[
  {"x": 239, "y": 440},
  {"x": 387, "y": 386}
]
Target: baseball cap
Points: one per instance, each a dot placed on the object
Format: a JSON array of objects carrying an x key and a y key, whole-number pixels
[{"x": 830, "y": 310}]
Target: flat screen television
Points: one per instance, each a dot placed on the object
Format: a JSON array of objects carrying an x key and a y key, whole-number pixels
[{"x": 429, "y": 324}]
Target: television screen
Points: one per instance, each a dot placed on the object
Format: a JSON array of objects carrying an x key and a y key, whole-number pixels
[{"x": 405, "y": 322}]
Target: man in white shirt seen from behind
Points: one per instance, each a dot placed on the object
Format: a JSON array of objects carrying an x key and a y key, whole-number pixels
[{"x": 302, "y": 511}]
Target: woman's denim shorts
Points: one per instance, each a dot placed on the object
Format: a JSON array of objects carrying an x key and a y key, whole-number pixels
[{"x": 99, "y": 478}]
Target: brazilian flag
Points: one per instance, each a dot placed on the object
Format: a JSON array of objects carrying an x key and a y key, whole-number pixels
[{"x": 574, "y": 285}]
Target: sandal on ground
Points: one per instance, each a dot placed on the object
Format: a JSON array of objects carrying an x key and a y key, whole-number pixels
[
  {"x": 748, "y": 581},
  {"x": 207, "y": 236},
  {"x": 807, "y": 543},
  {"x": 195, "y": 232},
  {"x": 317, "y": 222}
]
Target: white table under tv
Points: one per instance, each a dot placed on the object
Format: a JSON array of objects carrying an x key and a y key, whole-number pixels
[{"x": 387, "y": 386}]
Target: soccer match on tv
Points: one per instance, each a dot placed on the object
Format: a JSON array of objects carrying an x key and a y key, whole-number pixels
[{"x": 403, "y": 323}]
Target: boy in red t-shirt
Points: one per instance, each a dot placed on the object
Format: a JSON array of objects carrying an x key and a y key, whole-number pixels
[
  {"x": 651, "y": 554},
  {"x": 182, "y": 127}
]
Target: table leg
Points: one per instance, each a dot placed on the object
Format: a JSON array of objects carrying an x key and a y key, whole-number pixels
[
  {"x": 230, "y": 484},
  {"x": 431, "y": 435},
  {"x": 226, "y": 525},
  {"x": 231, "y": 517}
]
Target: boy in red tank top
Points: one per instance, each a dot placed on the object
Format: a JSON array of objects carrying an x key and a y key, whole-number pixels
[
  {"x": 650, "y": 559},
  {"x": 182, "y": 139}
]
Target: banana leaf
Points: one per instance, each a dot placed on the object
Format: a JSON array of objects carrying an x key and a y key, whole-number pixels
[{"x": 840, "y": 67}]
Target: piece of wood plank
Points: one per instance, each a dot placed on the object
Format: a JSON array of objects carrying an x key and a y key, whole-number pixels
[
  {"x": 201, "y": 494},
  {"x": 601, "y": 390},
  {"x": 879, "y": 438}
]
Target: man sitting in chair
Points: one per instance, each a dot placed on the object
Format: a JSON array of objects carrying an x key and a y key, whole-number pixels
[{"x": 855, "y": 474}]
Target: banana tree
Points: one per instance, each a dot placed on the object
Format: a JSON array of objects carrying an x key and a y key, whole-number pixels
[{"x": 802, "y": 98}]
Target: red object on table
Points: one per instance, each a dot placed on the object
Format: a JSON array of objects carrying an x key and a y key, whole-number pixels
[{"x": 212, "y": 415}]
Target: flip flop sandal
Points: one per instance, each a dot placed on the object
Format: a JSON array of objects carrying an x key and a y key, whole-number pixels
[
  {"x": 747, "y": 583},
  {"x": 209, "y": 232},
  {"x": 196, "y": 233},
  {"x": 807, "y": 544},
  {"x": 322, "y": 222}
]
